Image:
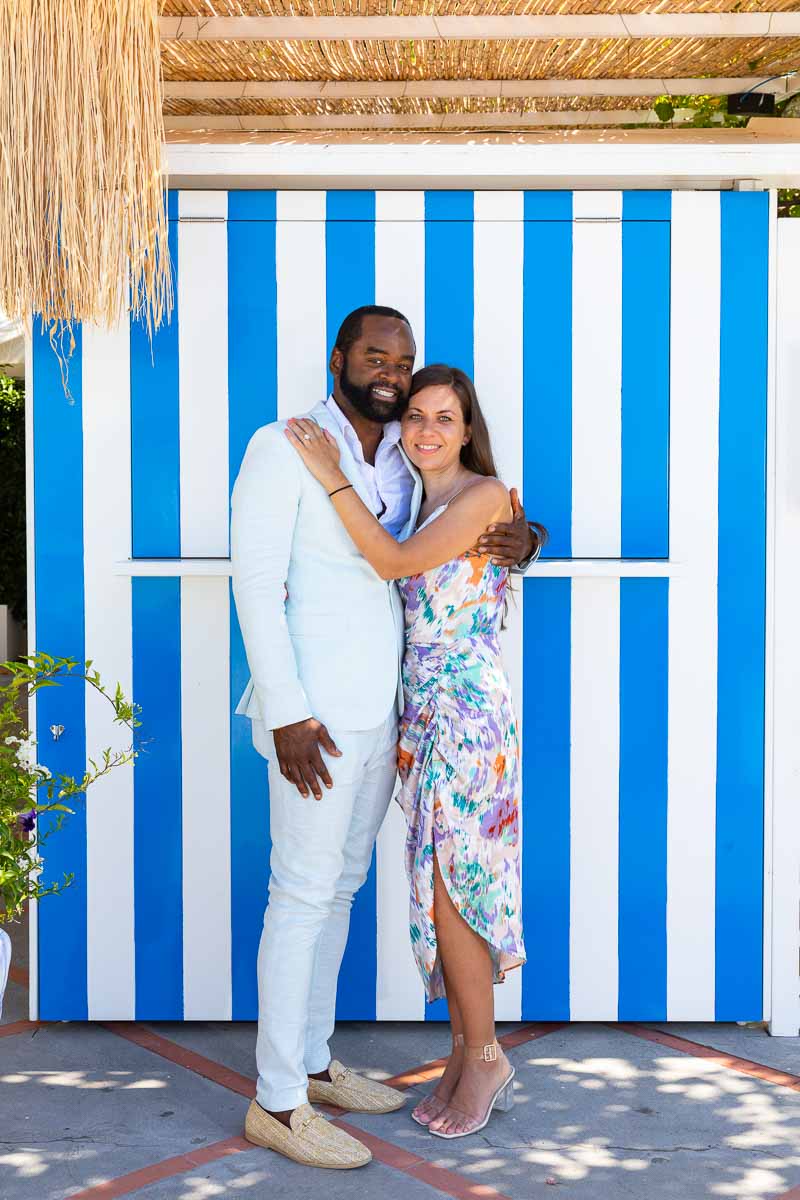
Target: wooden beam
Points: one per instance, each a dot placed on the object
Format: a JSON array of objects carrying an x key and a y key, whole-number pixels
[
  {"x": 418, "y": 121},
  {"x": 429, "y": 88},
  {"x": 480, "y": 28}
]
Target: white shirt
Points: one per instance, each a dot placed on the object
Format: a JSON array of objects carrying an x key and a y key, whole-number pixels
[{"x": 389, "y": 482}]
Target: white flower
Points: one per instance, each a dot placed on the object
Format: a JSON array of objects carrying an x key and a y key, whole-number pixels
[
  {"x": 26, "y": 754},
  {"x": 12, "y": 741}
]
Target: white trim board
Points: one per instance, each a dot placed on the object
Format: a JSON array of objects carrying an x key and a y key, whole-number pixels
[
  {"x": 594, "y": 568},
  {"x": 390, "y": 121},
  {"x": 337, "y": 89},
  {"x": 480, "y": 28},
  {"x": 284, "y": 163},
  {"x": 30, "y": 546}
]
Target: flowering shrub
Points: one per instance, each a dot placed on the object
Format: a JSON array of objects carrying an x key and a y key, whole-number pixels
[{"x": 28, "y": 790}]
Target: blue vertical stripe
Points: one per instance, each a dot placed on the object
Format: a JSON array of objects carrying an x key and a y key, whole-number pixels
[
  {"x": 449, "y": 279},
  {"x": 449, "y": 316},
  {"x": 252, "y": 400},
  {"x": 545, "y": 797},
  {"x": 58, "y": 566},
  {"x": 643, "y": 668},
  {"x": 349, "y": 258},
  {"x": 547, "y": 366},
  {"x": 155, "y": 441},
  {"x": 647, "y": 206},
  {"x": 157, "y": 800},
  {"x": 741, "y": 604},
  {"x": 155, "y": 526},
  {"x": 645, "y": 375},
  {"x": 350, "y": 282}
]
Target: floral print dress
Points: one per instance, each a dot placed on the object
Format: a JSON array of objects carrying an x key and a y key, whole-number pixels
[{"x": 458, "y": 758}]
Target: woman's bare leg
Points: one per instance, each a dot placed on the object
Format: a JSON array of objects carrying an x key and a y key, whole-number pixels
[
  {"x": 468, "y": 980},
  {"x": 437, "y": 1101}
]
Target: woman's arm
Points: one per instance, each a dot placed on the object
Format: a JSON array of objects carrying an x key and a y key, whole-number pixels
[{"x": 450, "y": 535}]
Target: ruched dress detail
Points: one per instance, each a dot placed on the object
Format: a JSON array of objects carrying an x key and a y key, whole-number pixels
[{"x": 458, "y": 759}]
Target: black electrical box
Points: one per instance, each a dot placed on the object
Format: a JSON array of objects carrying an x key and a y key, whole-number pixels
[{"x": 751, "y": 103}]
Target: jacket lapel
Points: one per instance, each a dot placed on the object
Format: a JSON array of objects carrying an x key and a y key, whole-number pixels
[{"x": 416, "y": 496}]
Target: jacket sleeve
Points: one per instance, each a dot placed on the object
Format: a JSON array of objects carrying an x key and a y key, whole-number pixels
[{"x": 264, "y": 507}]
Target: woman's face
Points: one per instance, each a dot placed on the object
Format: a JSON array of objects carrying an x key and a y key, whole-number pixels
[{"x": 433, "y": 428}]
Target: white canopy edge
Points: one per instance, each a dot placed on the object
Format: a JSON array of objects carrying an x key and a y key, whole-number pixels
[{"x": 574, "y": 158}]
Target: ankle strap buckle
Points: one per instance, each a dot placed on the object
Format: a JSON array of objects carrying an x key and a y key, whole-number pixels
[{"x": 490, "y": 1053}]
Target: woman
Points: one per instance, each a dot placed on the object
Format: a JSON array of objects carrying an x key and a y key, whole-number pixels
[{"x": 458, "y": 754}]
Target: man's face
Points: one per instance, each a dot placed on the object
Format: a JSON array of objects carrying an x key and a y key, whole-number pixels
[{"x": 375, "y": 376}]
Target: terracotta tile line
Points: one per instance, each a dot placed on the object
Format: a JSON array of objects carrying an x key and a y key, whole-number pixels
[
  {"x": 429, "y": 1071},
  {"x": 123, "y": 1185},
  {"x": 140, "y": 1035},
  {"x": 19, "y": 1027},
  {"x": 744, "y": 1066},
  {"x": 794, "y": 1194},
  {"x": 448, "y": 1182}
]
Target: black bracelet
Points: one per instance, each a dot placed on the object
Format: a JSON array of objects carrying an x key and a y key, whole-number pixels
[{"x": 343, "y": 488}]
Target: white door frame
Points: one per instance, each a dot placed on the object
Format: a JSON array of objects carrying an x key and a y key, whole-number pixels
[{"x": 782, "y": 782}]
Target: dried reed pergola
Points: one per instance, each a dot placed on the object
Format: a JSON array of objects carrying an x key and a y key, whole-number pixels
[{"x": 250, "y": 82}]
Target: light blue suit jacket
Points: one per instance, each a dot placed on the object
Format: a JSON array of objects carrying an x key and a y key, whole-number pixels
[{"x": 332, "y": 649}]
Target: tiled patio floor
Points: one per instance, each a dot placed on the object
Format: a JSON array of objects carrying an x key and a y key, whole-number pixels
[{"x": 602, "y": 1113}]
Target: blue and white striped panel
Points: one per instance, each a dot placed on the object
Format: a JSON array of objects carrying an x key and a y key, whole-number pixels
[{"x": 635, "y": 431}]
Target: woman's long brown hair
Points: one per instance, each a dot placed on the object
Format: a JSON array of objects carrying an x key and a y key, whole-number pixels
[{"x": 477, "y": 455}]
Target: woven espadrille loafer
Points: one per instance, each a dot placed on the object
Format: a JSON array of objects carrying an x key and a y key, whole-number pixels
[
  {"x": 312, "y": 1140},
  {"x": 353, "y": 1092}
]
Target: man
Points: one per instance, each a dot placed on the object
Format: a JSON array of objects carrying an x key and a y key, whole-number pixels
[{"x": 324, "y": 640}]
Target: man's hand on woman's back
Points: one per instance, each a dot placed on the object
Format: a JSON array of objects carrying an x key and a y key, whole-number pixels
[{"x": 509, "y": 542}]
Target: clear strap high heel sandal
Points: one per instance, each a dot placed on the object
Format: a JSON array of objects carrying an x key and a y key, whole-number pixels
[
  {"x": 458, "y": 1040},
  {"x": 502, "y": 1100}
]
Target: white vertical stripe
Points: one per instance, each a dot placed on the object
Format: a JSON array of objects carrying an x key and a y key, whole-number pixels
[
  {"x": 594, "y": 800},
  {"x": 205, "y": 760},
  {"x": 597, "y": 206},
  {"x": 203, "y": 383},
  {"x": 399, "y": 283},
  {"x": 597, "y": 391},
  {"x": 300, "y": 269},
  {"x": 33, "y": 908},
  {"x": 769, "y": 616},
  {"x": 108, "y": 642},
  {"x": 399, "y": 994},
  {"x": 694, "y": 457},
  {"x": 400, "y": 259},
  {"x": 498, "y": 256},
  {"x": 784, "y": 940}
]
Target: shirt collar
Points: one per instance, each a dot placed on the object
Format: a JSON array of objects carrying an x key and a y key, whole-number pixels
[{"x": 391, "y": 431}]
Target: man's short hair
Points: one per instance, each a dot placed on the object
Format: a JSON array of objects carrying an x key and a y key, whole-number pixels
[{"x": 351, "y": 326}]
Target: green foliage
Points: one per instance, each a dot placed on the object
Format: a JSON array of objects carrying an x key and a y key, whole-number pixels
[
  {"x": 12, "y": 495},
  {"x": 789, "y": 202},
  {"x": 708, "y": 111},
  {"x": 28, "y": 791}
]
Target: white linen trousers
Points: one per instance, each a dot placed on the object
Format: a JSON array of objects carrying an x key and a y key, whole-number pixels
[{"x": 321, "y": 853}]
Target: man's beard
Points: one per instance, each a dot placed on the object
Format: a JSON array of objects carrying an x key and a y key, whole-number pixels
[{"x": 362, "y": 400}]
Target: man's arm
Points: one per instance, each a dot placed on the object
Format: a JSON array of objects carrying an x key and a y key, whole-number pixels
[
  {"x": 516, "y": 543},
  {"x": 264, "y": 507}
]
